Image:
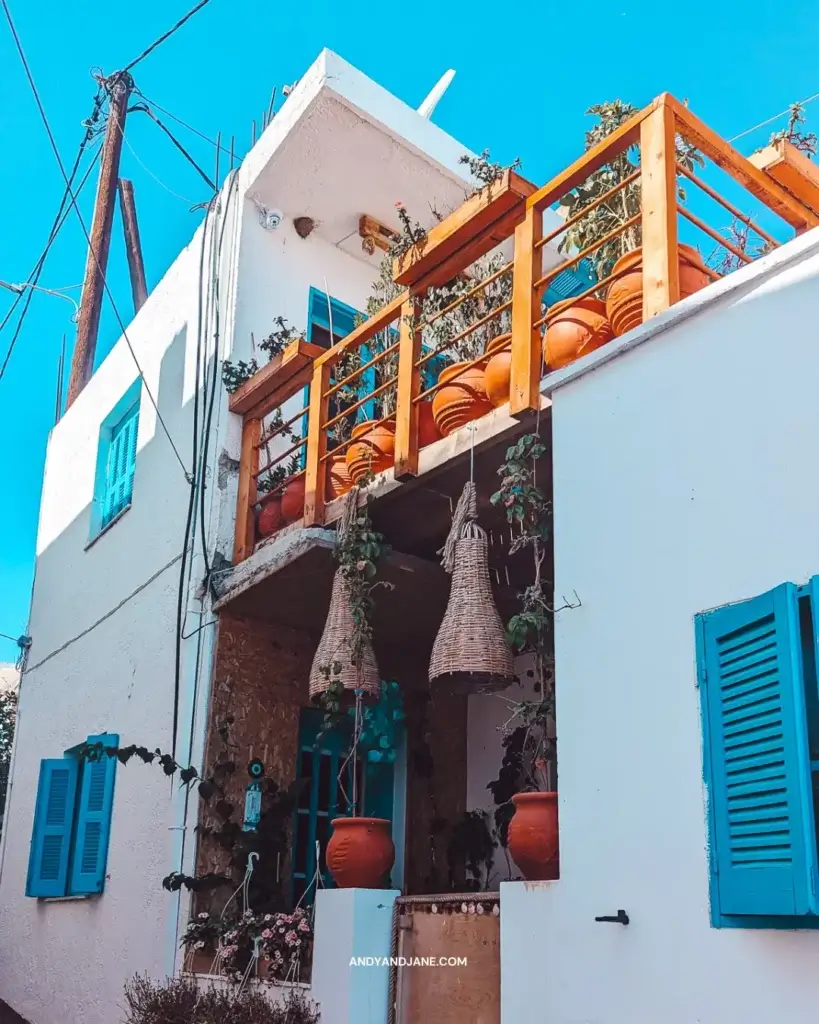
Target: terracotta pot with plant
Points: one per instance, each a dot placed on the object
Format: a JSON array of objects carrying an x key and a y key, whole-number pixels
[
  {"x": 373, "y": 450},
  {"x": 463, "y": 397},
  {"x": 292, "y": 502},
  {"x": 498, "y": 372},
  {"x": 360, "y": 852},
  {"x": 573, "y": 329},
  {"x": 525, "y": 790}
]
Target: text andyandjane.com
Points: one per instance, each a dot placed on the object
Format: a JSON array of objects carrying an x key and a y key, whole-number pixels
[{"x": 408, "y": 961}]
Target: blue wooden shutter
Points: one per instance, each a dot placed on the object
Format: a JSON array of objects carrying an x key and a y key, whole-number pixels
[
  {"x": 757, "y": 761},
  {"x": 119, "y": 482},
  {"x": 51, "y": 835},
  {"x": 94, "y": 809}
]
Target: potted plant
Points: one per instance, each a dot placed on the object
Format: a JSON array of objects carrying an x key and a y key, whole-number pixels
[
  {"x": 201, "y": 943},
  {"x": 525, "y": 790},
  {"x": 619, "y": 257}
]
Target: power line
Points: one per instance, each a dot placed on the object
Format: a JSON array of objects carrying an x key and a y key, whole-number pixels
[
  {"x": 776, "y": 117},
  {"x": 148, "y": 170},
  {"x": 184, "y": 124},
  {"x": 169, "y": 33},
  {"x": 53, "y": 143},
  {"x": 145, "y": 110}
]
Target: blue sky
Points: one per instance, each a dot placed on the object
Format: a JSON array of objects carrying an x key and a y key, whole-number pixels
[{"x": 737, "y": 64}]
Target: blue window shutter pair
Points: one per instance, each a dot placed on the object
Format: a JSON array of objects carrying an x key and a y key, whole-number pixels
[
  {"x": 757, "y": 762},
  {"x": 72, "y": 823},
  {"x": 119, "y": 479}
]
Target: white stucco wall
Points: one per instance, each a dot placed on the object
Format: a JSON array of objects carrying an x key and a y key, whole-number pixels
[
  {"x": 682, "y": 481},
  {"x": 103, "y": 618}
]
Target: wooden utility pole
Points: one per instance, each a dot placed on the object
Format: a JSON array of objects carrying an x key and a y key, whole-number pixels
[
  {"x": 93, "y": 289},
  {"x": 133, "y": 248}
]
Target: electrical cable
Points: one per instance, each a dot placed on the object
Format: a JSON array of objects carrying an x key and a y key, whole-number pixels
[
  {"x": 776, "y": 117},
  {"x": 91, "y": 249},
  {"x": 184, "y": 124},
  {"x": 142, "y": 108},
  {"x": 167, "y": 35},
  {"x": 148, "y": 171}
]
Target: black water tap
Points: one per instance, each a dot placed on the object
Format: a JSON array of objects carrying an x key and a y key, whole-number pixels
[{"x": 620, "y": 918}]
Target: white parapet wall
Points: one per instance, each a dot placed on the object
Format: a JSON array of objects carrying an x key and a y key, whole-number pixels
[{"x": 684, "y": 479}]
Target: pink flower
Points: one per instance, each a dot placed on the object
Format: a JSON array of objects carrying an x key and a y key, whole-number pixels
[
  {"x": 304, "y": 926},
  {"x": 267, "y": 934},
  {"x": 281, "y": 930},
  {"x": 291, "y": 938}
]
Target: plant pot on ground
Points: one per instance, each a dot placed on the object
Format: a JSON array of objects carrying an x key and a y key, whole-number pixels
[
  {"x": 292, "y": 502},
  {"x": 533, "y": 835},
  {"x": 338, "y": 476},
  {"x": 573, "y": 329},
  {"x": 624, "y": 302},
  {"x": 360, "y": 852}
]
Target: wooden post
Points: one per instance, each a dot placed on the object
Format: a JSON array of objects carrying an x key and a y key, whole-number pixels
[
  {"x": 82, "y": 363},
  {"x": 526, "y": 340},
  {"x": 133, "y": 248},
  {"x": 246, "y": 499},
  {"x": 407, "y": 390},
  {"x": 315, "y": 484},
  {"x": 658, "y": 166}
]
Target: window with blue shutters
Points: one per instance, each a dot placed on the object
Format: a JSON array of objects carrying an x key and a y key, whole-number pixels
[
  {"x": 757, "y": 674},
  {"x": 116, "y": 461},
  {"x": 72, "y": 824}
]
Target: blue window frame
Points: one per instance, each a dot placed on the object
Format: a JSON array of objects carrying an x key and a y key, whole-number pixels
[
  {"x": 756, "y": 664},
  {"x": 321, "y": 757},
  {"x": 116, "y": 460},
  {"x": 72, "y": 823}
]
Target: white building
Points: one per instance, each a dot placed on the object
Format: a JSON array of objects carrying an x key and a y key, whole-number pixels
[{"x": 680, "y": 486}]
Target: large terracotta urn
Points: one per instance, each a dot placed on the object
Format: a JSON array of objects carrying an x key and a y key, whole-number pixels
[
  {"x": 573, "y": 329},
  {"x": 462, "y": 399},
  {"x": 624, "y": 302},
  {"x": 497, "y": 374},
  {"x": 360, "y": 852},
  {"x": 374, "y": 450},
  {"x": 269, "y": 518},
  {"x": 338, "y": 476},
  {"x": 533, "y": 835},
  {"x": 293, "y": 499},
  {"x": 427, "y": 429}
]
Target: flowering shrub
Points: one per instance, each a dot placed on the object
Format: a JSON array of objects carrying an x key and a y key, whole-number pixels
[
  {"x": 287, "y": 942},
  {"x": 202, "y": 934}
]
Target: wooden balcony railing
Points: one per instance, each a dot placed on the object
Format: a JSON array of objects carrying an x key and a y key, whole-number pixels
[{"x": 478, "y": 282}]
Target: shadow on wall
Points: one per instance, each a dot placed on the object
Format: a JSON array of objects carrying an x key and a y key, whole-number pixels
[{"x": 80, "y": 577}]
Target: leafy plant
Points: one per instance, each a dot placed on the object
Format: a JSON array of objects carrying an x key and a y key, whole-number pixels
[
  {"x": 234, "y": 375},
  {"x": 202, "y": 934},
  {"x": 182, "y": 1001},
  {"x": 528, "y": 747},
  {"x": 623, "y": 205},
  {"x": 280, "y": 337},
  {"x": 8, "y": 720},
  {"x": 470, "y": 852},
  {"x": 485, "y": 172},
  {"x": 794, "y": 133}
]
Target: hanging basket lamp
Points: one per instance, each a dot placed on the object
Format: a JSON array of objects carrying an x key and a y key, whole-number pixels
[
  {"x": 336, "y": 661},
  {"x": 470, "y": 653}
]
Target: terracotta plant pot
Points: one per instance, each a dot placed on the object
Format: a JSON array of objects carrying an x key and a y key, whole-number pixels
[
  {"x": 463, "y": 399},
  {"x": 573, "y": 329},
  {"x": 360, "y": 852},
  {"x": 533, "y": 835},
  {"x": 293, "y": 500},
  {"x": 270, "y": 518},
  {"x": 624, "y": 302},
  {"x": 338, "y": 476},
  {"x": 427, "y": 430},
  {"x": 498, "y": 370},
  {"x": 375, "y": 449}
]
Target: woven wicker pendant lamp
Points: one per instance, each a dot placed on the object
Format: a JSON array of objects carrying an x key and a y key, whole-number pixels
[
  {"x": 470, "y": 653},
  {"x": 335, "y": 649}
]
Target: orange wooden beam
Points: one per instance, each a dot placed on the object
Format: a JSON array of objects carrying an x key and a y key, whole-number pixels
[
  {"x": 658, "y": 163},
  {"x": 282, "y": 378},
  {"x": 383, "y": 318},
  {"x": 490, "y": 216},
  {"x": 407, "y": 391},
  {"x": 791, "y": 169},
  {"x": 527, "y": 361},
  {"x": 315, "y": 482},
  {"x": 246, "y": 498},
  {"x": 757, "y": 182}
]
